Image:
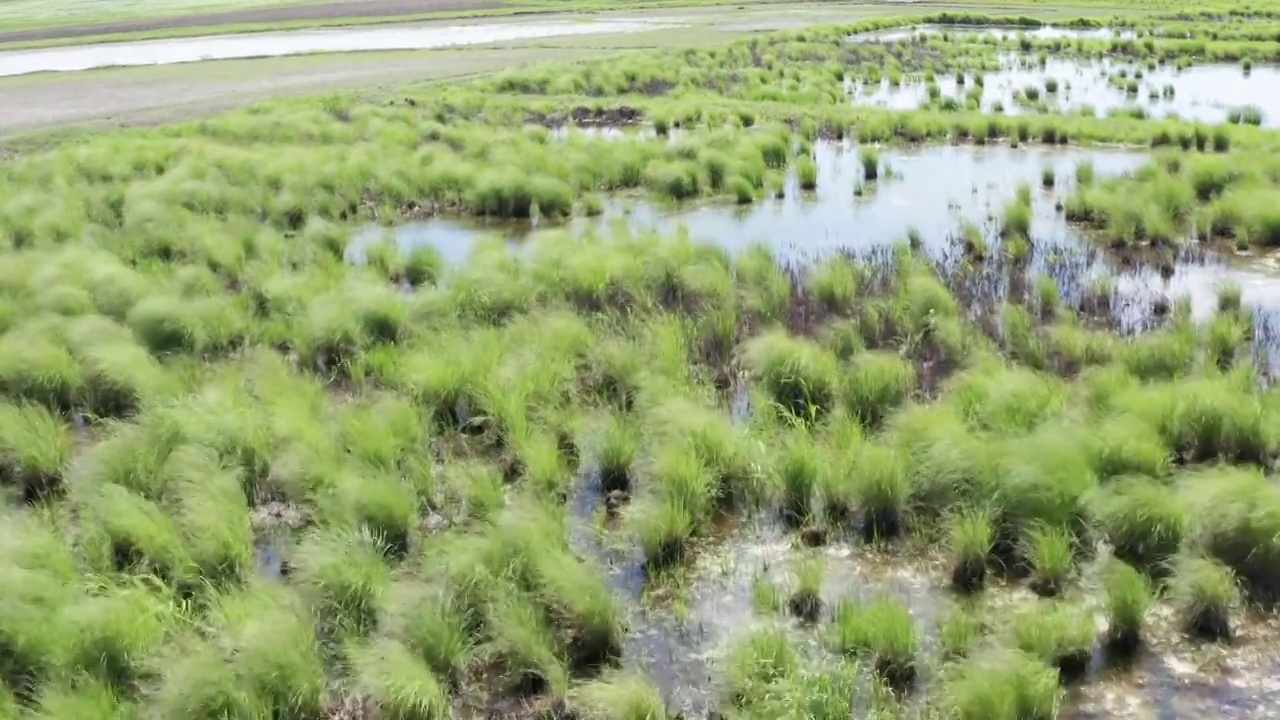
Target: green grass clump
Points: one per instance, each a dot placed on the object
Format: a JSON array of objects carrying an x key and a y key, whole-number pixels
[
  {"x": 798, "y": 470},
  {"x": 35, "y": 446},
  {"x": 870, "y": 159},
  {"x": 1143, "y": 520},
  {"x": 618, "y": 447},
  {"x": 434, "y": 626},
  {"x": 1005, "y": 685},
  {"x": 800, "y": 376},
  {"x": 114, "y": 631},
  {"x": 267, "y": 660},
  {"x": 346, "y": 576},
  {"x": 619, "y": 695},
  {"x": 1128, "y": 597},
  {"x": 523, "y": 645},
  {"x": 756, "y": 663},
  {"x": 1048, "y": 178},
  {"x": 882, "y": 630},
  {"x": 396, "y": 682},
  {"x": 1050, "y": 550},
  {"x": 881, "y": 489},
  {"x": 835, "y": 283},
  {"x": 1016, "y": 222},
  {"x": 806, "y": 592},
  {"x": 875, "y": 385},
  {"x": 807, "y": 174},
  {"x": 1236, "y": 519},
  {"x": 971, "y": 539},
  {"x": 1205, "y": 592},
  {"x": 1061, "y": 636},
  {"x": 960, "y": 630}
]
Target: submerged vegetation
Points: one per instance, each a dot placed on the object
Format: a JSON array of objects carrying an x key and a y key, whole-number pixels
[{"x": 253, "y": 468}]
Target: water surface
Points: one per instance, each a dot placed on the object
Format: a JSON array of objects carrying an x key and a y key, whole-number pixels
[
  {"x": 295, "y": 42},
  {"x": 1205, "y": 93}
]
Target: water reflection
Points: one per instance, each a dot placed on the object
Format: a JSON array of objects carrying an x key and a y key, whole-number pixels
[
  {"x": 930, "y": 191},
  {"x": 1204, "y": 93}
]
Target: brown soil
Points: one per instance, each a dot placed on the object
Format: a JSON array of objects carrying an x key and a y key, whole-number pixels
[{"x": 280, "y": 14}]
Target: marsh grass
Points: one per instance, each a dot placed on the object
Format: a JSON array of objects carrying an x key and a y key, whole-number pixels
[
  {"x": 758, "y": 661},
  {"x": 619, "y": 695},
  {"x": 870, "y": 159},
  {"x": 1128, "y": 597},
  {"x": 805, "y": 601},
  {"x": 1061, "y": 636},
  {"x": 960, "y": 630},
  {"x": 881, "y": 630},
  {"x": 800, "y": 376},
  {"x": 1144, "y": 521},
  {"x": 619, "y": 445},
  {"x": 798, "y": 476},
  {"x": 1003, "y": 685},
  {"x": 435, "y": 627},
  {"x": 346, "y": 575},
  {"x": 875, "y": 385},
  {"x": 35, "y": 447},
  {"x": 1205, "y": 593},
  {"x": 199, "y": 367},
  {"x": 396, "y": 682},
  {"x": 881, "y": 490},
  {"x": 1050, "y": 550},
  {"x": 972, "y": 537}
]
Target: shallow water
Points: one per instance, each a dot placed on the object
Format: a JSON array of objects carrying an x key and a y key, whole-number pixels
[
  {"x": 932, "y": 190},
  {"x": 299, "y": 42},
  {"x": 1203, "y": 93},
  {"x": 1047, "y": 32},
  {"x": 679, "y": 635}
]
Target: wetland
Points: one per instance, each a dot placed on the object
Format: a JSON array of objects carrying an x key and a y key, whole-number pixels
[{"x": 687, "y": 383}]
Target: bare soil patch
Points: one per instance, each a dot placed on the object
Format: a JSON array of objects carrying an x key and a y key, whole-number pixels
[{"x": 266, "y": 15}]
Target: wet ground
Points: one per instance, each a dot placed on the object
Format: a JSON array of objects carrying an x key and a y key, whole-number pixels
[
  {"x": 1174, "y": 677},
  {"x": 1206, "y": 93},
  {"x": 299, "y": 42}
]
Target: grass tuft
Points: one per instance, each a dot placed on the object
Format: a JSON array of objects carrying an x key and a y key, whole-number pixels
[
  {"x": 1205, "y": 592},
  {"x": 1128, "y": 597}
]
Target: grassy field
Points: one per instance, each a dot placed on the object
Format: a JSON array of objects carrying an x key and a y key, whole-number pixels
[{"x": 253, "y": 468}]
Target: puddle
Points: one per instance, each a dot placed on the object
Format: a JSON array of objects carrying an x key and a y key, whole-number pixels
[
  {"x": 1206, "y": 93},
  {"x": 1046, "y": 32},
  {"x": 274, "y": 44}
]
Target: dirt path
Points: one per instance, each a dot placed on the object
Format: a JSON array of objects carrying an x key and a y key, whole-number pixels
[{"x": 265, "y": 15}]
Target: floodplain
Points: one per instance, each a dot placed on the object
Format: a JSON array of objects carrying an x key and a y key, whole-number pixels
[{"x": 691, "y": 382}]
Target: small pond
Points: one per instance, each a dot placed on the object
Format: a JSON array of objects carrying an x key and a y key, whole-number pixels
[{"x": 1205, "y": 93}]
